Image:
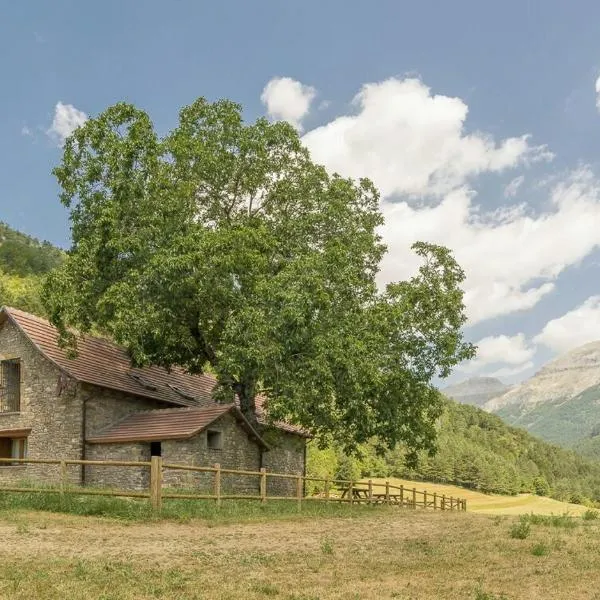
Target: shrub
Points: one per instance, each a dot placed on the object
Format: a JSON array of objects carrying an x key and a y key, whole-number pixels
[
  {"x": 590, "y": 515},
  {"x": 540, "y": 549},
  {"x": 520, "y": 530}
]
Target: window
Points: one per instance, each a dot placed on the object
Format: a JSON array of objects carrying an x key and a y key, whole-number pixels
[
  {"x": 214, "y": 440},
  {"x": 12, "y": 448},
  {"x": 155, "y": 449},
  {"x": 10, "y": 385}
]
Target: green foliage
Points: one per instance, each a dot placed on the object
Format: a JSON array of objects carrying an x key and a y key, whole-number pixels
[
  {"x": 590, "y": 515},
  {"x": 23, "y": 256},
  {"x": 520, "y": 530},
  {"x": 479, "y": 451},
  {"x": 223, "y": 244},
  {"x": 481, "y": 595},
  {"x": 540, "y": 486},
  {"x": 23, "y": 263},
  {"x": 540, "y": 549},
  {"x": 564, "y": 521}
]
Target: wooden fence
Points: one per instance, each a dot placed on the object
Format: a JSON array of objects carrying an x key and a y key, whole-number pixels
[{"x": 334, "y": 490}]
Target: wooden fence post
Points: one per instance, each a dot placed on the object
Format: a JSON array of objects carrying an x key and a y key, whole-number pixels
[
  {"x": 351, "y": 492},
  {"x": 434, "y": 500},
  {"x": 401, "y": 496},
  {"x": 387, "y": 492},
  {"x": 299, "y": 491},
  {"x": 425, "y": 499},
  {"x": 156, "y": 483},
  {"x": 63, "y": 477},
  {"x": 465, "y": 505},
  {"x": 451, "y": 503},
  {"x": 443, "y": 502},
  {"x": 263, "y": 485},
  {"x": 414, "y": 498},
  {"x": 370, "y": 491},
  {"x": 217, "y": 484},
  {"x": 327, "y": 489}
]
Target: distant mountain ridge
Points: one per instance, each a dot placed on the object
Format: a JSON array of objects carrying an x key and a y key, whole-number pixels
[
  {"x": 560, "y": 403},
  {"x": 476, "y": 391}
]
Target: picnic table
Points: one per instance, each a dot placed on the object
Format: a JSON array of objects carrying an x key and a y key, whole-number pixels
[{"x": 362, "y": 494}]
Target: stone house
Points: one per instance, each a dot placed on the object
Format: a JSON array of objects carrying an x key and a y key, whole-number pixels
[{"x": 95, "y": 406}]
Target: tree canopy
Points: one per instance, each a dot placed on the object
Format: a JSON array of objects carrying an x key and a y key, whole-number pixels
[{"x": 222, "y": 244}]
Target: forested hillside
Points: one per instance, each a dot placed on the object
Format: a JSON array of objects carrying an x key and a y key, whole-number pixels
[
  {"x": 477, "y": 450},
  {"x": 23, "y": 263}
]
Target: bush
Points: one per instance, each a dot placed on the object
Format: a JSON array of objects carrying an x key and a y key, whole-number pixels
[
  {"x": 520, "y": 530},
  {"x": 540, "y": 549},
  {"x": 590, "y": 515},
  {"x": 541, "y": 487}
]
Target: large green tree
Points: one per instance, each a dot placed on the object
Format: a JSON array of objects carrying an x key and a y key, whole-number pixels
[{"x": 222, "y": 244}]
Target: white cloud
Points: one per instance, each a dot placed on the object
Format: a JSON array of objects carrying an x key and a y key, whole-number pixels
[
  {"x": 575, "y": 328},
  {"x": 414, "y": 143},
  {"x": 508, "y": 372},
  {"x": 511, "y": 258},
  {"x": 502, "y": 349},
  {"x": 288, "y": 100},
  {"x": 409, "y": 141},
  {"x": 66, "y": 119},
  {"x": 598, "y": 93},
  {"x": 26, "y": 131},
  {"x": 510, "y": 191}
]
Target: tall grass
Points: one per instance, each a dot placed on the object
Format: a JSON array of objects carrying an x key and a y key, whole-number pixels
[{"x": 139, "y": 509}]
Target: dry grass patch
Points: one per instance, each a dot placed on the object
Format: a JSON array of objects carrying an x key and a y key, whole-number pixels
[{"x": 376, "y": 554}]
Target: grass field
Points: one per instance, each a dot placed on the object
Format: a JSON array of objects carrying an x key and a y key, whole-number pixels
[
  {"x": 377, "y": 553},
  {"x": 494, "y": 504},
  {"x": 251, "y": 551}
]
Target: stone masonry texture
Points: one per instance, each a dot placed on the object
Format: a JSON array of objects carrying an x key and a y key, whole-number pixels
[{"x": 61, "y": 413}]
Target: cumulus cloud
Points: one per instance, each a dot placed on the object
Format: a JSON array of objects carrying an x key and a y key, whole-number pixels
[
  {"x": 288, "y": 100},
  {"x": 410, "y": 141},
  {"x": 66, "y": 120},
  {"x": 502, "y": 349},
  {"x": 511, "y": 258},
  {"x": 510, "y": 191},
  {"x": 575, "y": 328}
]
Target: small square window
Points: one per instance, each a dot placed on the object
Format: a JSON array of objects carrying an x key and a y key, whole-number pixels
[
  {"x": 12, "y": 448},
  {"x": 214, "y": 440}
]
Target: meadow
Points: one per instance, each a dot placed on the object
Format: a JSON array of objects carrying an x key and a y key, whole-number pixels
[{"x": 113, "y": 549}]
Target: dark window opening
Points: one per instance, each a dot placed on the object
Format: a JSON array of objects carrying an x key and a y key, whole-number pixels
[
  {"x": 10, "y": 385},
  {"x": 155, "y": 449},
  {"x": 12, "y": 448},
  {"x": 214, "y": 440}
]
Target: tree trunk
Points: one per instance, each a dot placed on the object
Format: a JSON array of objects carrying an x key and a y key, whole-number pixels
[{"x": 246, "y": 393}]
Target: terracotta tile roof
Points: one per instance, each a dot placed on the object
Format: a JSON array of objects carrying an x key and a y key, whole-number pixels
[
  {"x": 103, "y": 363},
  {"x": 170, "y": 424}
]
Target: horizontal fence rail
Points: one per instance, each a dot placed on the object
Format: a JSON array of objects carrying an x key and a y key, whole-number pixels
[{"x": 333, "y": 490}]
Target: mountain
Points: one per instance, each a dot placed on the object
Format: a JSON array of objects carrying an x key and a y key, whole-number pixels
[
  {"x": 476, "y": 391},
  {"x": 24, "y": 261},
  {"x": 560, "y": 403}
]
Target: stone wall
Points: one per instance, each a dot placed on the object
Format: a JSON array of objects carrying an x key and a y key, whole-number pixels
[
  {"x": 122, "y": 478},
  {"x": 237, "y": 452},
  {"x": 50, "y": 407},
  {"x": 104, "y": 408},
  {"x": 286, "y": 455}
]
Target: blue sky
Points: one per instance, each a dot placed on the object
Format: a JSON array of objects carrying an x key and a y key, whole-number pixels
[{"x": 452, "y": 88}]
